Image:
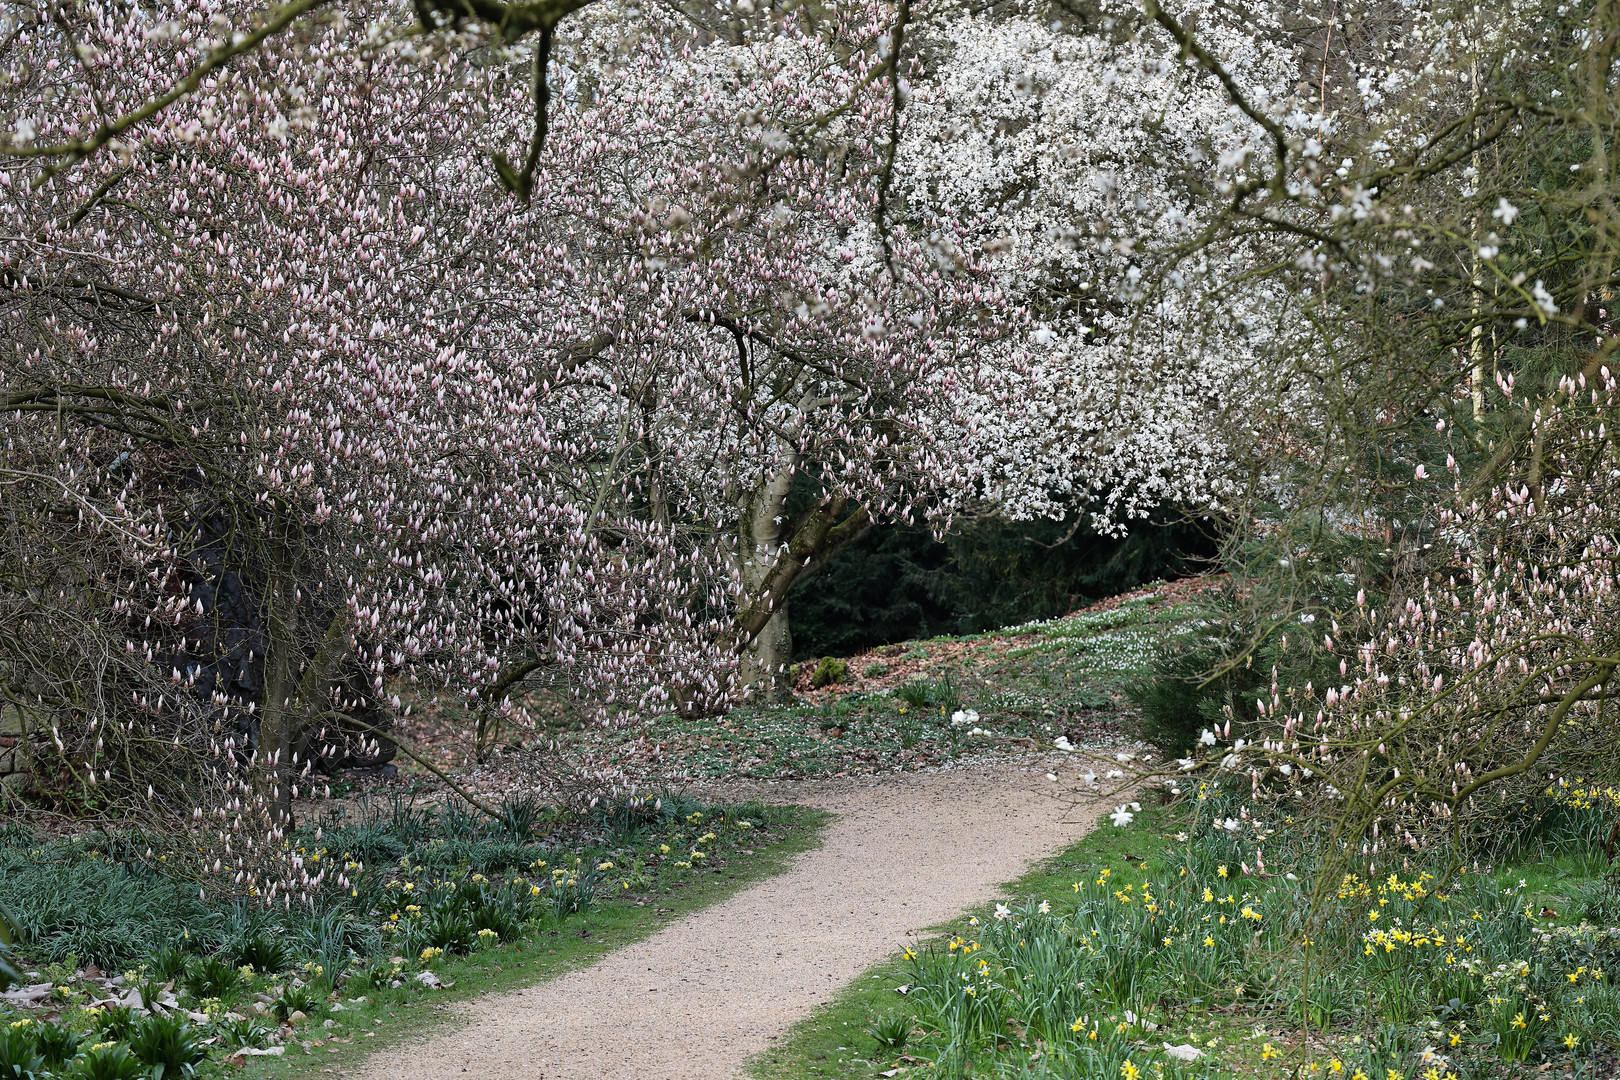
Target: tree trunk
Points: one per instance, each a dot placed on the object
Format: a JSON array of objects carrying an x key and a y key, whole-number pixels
[
  {"x": 766, "y": 661},
  {"x": 274, "y": 757},
  {"x": 777, "y": 552},
  {"x": 767, "y": 643}
]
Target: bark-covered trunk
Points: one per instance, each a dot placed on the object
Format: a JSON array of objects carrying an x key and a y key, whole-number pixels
[
  {"x": 274, "y": 758},
  {"x": 776, "y": 552},
  {"x": 768, "y": 646}
]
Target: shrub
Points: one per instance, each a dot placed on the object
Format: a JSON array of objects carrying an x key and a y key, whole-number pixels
[
  {"x": 115, "y": 1022},
  {"x": 829, "y": 670},
  {"x": 212, "y": 977},
  {"x": 167, "y": 1045},
  {"x": 875, "y": 671},
  {"x": 108, "y": 1061},
  {"x": 19, "y": 1060},
  {"x": 263, "y": 951},
  {"x": 1177, "y": 699},
  {"x": 294, "y": 999},
  {"x": 57, "y": 1043}
]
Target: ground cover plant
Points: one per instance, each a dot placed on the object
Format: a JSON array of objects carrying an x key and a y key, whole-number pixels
[
  {"x": 906, "y": 706},
  {"x": 127, "y": 967},
  {"x": 1189, "y": 940}
]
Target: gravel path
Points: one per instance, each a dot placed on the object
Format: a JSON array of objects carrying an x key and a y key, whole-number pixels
[{"x": 711, "y": 990}]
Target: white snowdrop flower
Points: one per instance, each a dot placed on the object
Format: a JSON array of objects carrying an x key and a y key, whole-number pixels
[{"x": 1121, "y": 817}]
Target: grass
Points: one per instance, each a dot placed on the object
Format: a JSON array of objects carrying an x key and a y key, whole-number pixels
[
  {"x": 834, "y": 1040},
  {"x": 1161, "y": 934},
  {"x": 411, "y": 1013},
  {"x": 893, "y": 710},
  {"x": 471, "y": 903}
]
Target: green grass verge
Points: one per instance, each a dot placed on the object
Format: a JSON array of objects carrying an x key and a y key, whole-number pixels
[
  {"x": 833, "y": 1041},
  {"x": 393, "y": 1016}
]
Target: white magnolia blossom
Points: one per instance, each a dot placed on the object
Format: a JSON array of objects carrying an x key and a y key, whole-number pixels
[{"x": 1061, "y": 158}]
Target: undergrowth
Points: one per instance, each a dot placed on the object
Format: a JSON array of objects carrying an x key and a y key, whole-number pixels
[
  {"x": 1215, "y": 953},
  {"x": 431, "y": 890}
]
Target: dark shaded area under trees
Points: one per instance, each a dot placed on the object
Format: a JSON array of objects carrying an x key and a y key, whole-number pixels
[{"x": 898, "y": 583}]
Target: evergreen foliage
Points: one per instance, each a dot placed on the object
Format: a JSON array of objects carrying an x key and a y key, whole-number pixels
[{"x": 899, "y": 583}]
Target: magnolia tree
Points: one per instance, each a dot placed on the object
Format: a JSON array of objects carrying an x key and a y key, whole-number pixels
[
  {"x": 1484, "y": 682},
  {"x": 298, "y": 400},
  {"x": 1073, "y": 160},
  {"x": 276, "y": 431},
  {"x": 1430, "y": 549}
]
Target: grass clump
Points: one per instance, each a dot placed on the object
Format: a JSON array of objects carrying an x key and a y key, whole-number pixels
[
  {"x": 1226, "y": 940},
  {"x": 828, "y": 671},
  {"x": 450, "y": 895}
]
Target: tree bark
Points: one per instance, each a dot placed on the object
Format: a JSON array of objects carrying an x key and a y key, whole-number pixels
[
  {"x": 776, "y": 553},
  {"x": 768, "y": 646},
  {"x": 274, "y": 757}
]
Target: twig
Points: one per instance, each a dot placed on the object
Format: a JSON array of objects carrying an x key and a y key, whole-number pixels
[{"x": 425, "y": 763}]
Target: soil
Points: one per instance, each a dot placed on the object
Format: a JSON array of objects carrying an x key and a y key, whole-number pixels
[{"x": 710, "y": 991}]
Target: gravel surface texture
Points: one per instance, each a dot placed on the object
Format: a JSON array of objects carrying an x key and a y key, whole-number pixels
[{"x": 708, "y": 992}]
